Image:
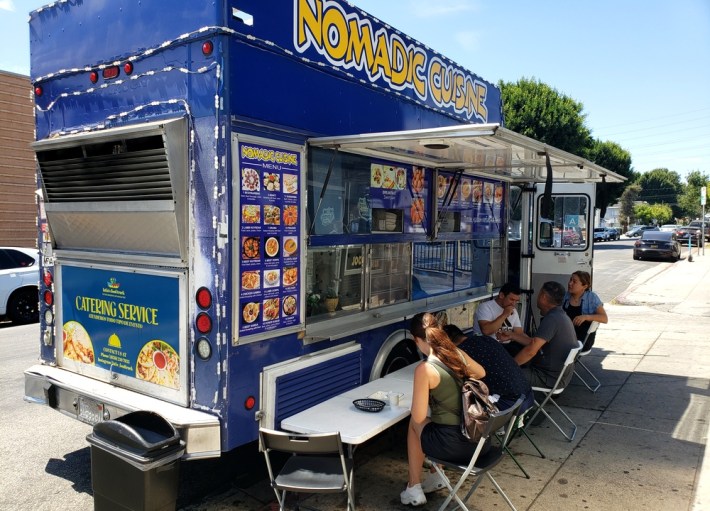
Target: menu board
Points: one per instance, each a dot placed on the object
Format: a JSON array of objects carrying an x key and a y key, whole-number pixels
[
  {"x": 400, "y": 187},
  {"x": 480, "y": 202},
  {"x": 269, "y": 223}
]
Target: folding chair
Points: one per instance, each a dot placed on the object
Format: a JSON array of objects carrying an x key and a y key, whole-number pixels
[
  {"x": 586, "y": 350},
  {"x": 317, "y": 465},
  {"x": 480, "y": 464},
  {"x": 521, "y": 418},
  {"x": 555, "y": 390}
]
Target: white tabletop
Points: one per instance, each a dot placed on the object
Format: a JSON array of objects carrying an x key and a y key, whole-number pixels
[{"x": 339, "y": 414}]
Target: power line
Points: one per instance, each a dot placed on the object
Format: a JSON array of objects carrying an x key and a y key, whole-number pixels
[{"x": 696, "y": 110}]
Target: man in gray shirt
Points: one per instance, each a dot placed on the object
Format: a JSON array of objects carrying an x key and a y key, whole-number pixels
[{"x": 552, "y": 342}]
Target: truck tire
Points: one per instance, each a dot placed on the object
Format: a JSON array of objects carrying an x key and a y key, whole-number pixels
[
  {"x": 23, "y": 306},
  {"x": 403, "y": 354}
]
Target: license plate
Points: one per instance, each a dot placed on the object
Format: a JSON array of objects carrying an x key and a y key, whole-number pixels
[
  {"x": 654, "y": 246},
  {"x": 90, "y": 411}
]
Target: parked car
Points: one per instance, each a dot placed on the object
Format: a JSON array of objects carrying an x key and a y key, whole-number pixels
[
  {"x": 687, "y": 233},
  {"x": 637, "y": 231},
  {"x": 571, "y": 237},
  {"x": 657, "y": 244},
  {"x": 613, "y": 233},
  {"x": 19, "y": 284},
  {"x": 670, "y": 227},
  {"x": 699, "y": 225},
  {"x": 601, "y": 234}
]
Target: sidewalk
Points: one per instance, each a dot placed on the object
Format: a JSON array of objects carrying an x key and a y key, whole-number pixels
[{"x": 641, "y": 439}]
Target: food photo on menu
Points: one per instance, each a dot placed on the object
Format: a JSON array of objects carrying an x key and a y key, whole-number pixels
[
  {"x": 250, "y": 247},
  {"x": 289, "y": 305},
  {"x": 251, "y": 214},
  {"x": 417, "y": 211},
  {"x": 290, "y": 215},
  {"x": 272, "y": 182},
  {"x": 272, "y": 278},
  {"x": 290, "y": 183},
  {"x": 271, "y": 309},
  {"x": 465, "y": 189},
  {"x": 290, "y": 276},
  {"x": 290, "y": 245},
  {"x": 376, "y": 176},
  {"x": 417, "y": 179},
  {"x": 488, "y": 192},
  {"x": 250, "y": 312},
  {"x": 477, "y": 191},
  {"x": 250, "y": 180},
  {"x": 251, "y": 280},
  {"x": 271, "y": 247},
  {"x": 498, "y": 194},
  {"x": 272, "y": 215}
]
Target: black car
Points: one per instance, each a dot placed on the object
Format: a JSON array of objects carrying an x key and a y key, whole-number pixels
[
  {"x": 640, "y": 229},
  {"x": 688, "y": 232},
  {"x": 657, "y": 244}
]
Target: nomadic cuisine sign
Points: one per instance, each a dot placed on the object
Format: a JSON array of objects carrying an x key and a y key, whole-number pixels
[
  {"x": 354, "y": 42},
  {"x": 123, "y": 322}
]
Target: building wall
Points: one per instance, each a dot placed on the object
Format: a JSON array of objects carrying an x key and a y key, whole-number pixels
[{"x": 18, "y": 211}]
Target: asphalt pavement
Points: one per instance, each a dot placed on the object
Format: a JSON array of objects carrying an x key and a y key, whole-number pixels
[{"x": 642, "y": 438}]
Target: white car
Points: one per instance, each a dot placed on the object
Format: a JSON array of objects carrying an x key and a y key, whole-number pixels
[
  {"x": 670, "y": 227},
  {"x": 19, "y": 284}
]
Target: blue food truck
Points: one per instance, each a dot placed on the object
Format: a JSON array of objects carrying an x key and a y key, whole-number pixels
[{"x": 244, "y": 203}]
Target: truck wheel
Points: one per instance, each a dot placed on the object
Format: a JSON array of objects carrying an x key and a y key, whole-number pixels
[
  {"x": 23, "y": 306},
  {"x": 402, "y": 355}
]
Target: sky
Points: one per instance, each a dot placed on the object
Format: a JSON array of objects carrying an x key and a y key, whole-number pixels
[{"x": 640, "y": 68}]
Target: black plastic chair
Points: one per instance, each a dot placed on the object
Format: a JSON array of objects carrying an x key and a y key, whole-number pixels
[
  {"x": 555, "y": 390},
  {"x": 317, "y": 465},
  {"x": 480, "y": 464},
  {"x": 586, "y": 350}
]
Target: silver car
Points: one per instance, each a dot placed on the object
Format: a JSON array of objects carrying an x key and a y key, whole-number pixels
[{"x": 19, "y": 284}]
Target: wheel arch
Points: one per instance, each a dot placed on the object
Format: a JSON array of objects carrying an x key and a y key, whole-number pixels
[{"x": 396, "y": 339}]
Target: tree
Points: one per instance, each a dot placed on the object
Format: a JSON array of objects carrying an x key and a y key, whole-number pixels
[
  {"x": 661, "y": 186},
  {"x": 653, "y": 213},
  {"x": 689, "y": 200},
  {"x": 611, "y": 156},
  {"x": 626, "y": 212},
  {"x": 538, "y": 111}
]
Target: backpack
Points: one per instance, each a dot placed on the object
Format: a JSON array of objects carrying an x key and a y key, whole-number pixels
[{"x": 476, "y": 406}]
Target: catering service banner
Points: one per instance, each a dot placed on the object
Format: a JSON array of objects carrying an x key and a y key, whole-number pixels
[
  {"x": 124, "y": 322},
  {"x": 269, "y": 226}
]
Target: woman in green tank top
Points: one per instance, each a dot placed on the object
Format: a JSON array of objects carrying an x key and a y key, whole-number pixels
[{"x": 438, "y": 435}]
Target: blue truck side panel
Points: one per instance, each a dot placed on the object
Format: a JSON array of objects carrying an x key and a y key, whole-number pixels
[{"x": 261, "y": 80}]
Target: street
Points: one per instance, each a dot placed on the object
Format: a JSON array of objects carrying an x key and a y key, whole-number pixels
[{"x": 45, "y": 462}]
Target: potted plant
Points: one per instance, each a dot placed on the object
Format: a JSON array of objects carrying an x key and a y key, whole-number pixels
[
  {"x": 331, "y": 300},
  {"x": 312, "y": 303}
]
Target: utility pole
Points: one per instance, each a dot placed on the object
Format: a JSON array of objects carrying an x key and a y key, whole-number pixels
[{"x": 703, "y": 199}]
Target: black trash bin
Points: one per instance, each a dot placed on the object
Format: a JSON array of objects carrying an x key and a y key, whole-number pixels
[{"x": 135, "y": 463}]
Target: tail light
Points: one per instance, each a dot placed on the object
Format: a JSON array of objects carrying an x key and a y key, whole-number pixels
[
  {"x": 48, "y": 297},
  {"x": 203, "y": 323},
  {"x": 48, "y": 279}
]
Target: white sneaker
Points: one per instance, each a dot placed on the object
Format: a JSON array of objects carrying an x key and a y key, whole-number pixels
[
  {"x": 433, "y": 482},
  {"x": 413, "y": 496}
]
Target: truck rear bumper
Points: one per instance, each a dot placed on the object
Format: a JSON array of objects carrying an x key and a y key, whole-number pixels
[{"x": 64, "y": 391}]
